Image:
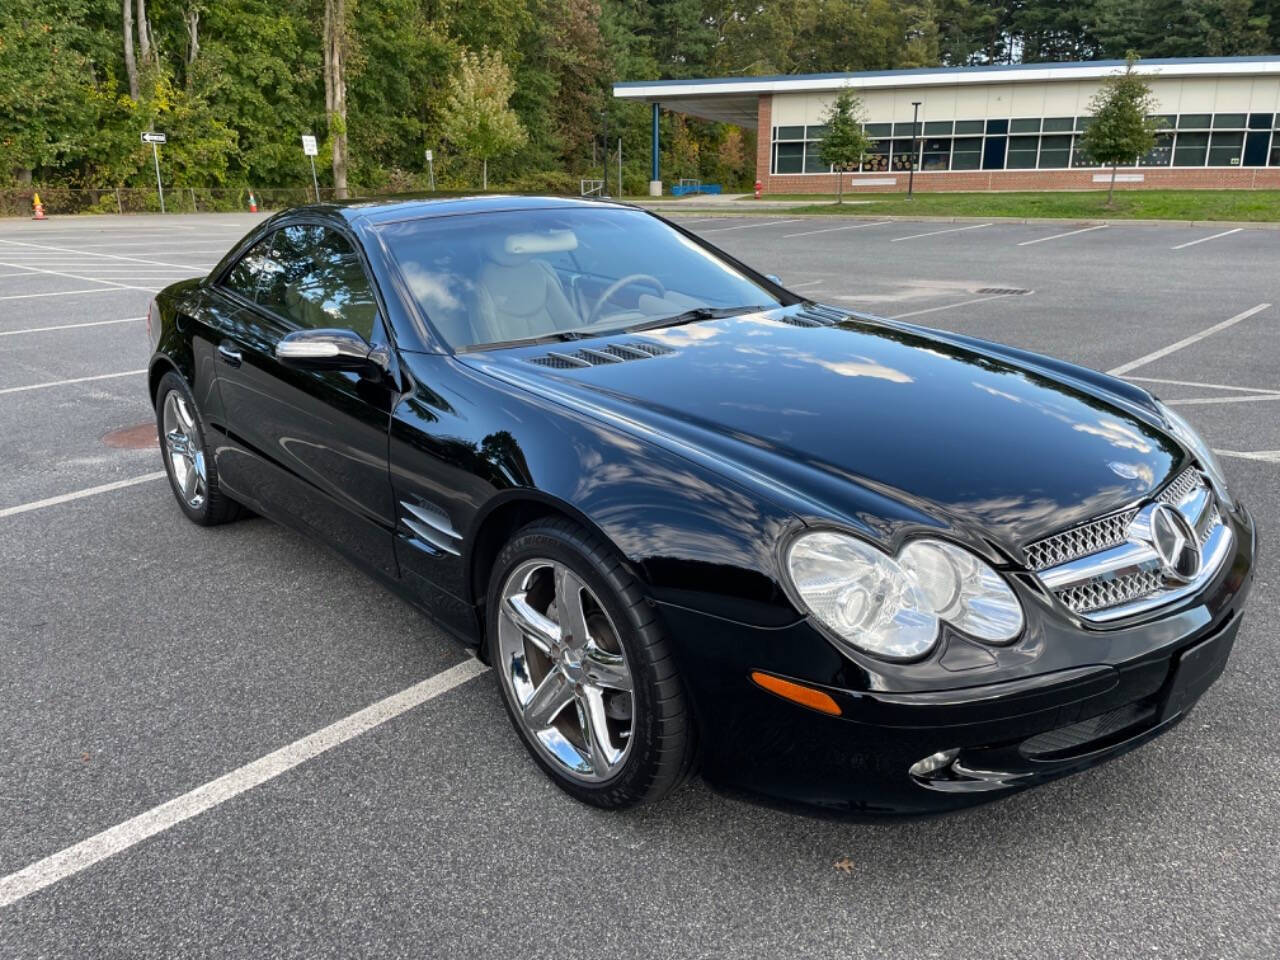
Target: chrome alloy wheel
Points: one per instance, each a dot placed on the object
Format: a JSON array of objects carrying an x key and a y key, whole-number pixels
[
  {"x": 182, "y": 446},
  {"x": 565, "y": 670}
]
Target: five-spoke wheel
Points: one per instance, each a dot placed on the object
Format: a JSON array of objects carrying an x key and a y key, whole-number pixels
[
  {"x": 585, "y": 668},
  {"x": 566, "y": 670},
  {"x": 182, "y": 444}
]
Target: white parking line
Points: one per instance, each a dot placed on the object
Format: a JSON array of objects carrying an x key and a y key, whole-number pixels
[
  {"x": 1186, "y": 341},
  {"x": 748, "y": 226},
  {"x": 852, "y": 226},
  {"x": 73, "y": 276},
  {"x": 68, "y": 326},
  {"x": 90, "y": 253},
  {"x": 67, "y": 293},
  {"x": 934, "y": 233},
  {"x": 86, "y": 853},
  {"x": 1059, "y": 236},
  {"x": 1200, "y": 401},
  {"x": 950, "y": 306},
  {"x": 1207, "y": 386},
  {"x": 1267, "y": 456},
  {"x": 1225, "y": 233},
  {"x": 63, "y": 383},
  {"x": 78, "y": 494}
]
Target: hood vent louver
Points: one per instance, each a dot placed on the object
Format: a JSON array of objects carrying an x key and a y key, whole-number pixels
[
  {"x": 813, "y": 316},
  {"x": 601, "y": 356}
]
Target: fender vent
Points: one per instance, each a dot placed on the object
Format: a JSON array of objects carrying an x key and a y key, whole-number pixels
[{"x": 601, "y": 356}]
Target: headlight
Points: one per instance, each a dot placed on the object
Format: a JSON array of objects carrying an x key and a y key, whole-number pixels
[
  {"x": 891, "y": 606},
  {"x": 1179, "y": 427}
]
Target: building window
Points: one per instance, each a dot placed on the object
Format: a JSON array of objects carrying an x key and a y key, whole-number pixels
[
  {"x": 1055, "y": 152},
  {"x": 1228, "y": 121},
  {"x": 1260, "y": 121},
  {"x": 876, "y": 160},
  {"x": 1059, "y": 124},
  {"x": 1079, "y": 158},
  {"x": 937, "y": 155},
  {"x": 878, "y": 130},
  {"x": 788, "y": 158},
  {"x": 1275, "y": 151},
  {"x": 1161, "y": 155},
  {"x": 1190, "y": 149},
  {"x": 970, "y": 126},
  {"x": 902, "y": 159},
  {"x": 966, "y": 154},
  {"x": 1025, "y": 126},
  {"x": 1225, "y": 148},
  {"x": 938, "y": 128},
  {"x": 1194, "y": 121},
  {"x": 1022, "y": 153}
]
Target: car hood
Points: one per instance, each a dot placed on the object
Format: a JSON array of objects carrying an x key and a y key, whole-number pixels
[{"x": 868, "y": 422}]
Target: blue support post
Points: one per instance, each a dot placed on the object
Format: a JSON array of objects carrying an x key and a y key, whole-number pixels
[{"x": 655, "y": 179}]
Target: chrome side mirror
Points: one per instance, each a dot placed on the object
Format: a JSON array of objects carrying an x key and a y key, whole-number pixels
[{"x": 331, "y": 349}]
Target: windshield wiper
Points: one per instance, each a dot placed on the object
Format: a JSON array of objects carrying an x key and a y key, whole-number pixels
[{"x": 694, "y": 315}]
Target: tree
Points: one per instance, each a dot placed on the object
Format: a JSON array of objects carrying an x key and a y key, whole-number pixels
[
  {"x": 845, "y": 142},
  {"x": 1122, "y": 128},
  {"x": 335, "y": 88},
  {"x": 477, "y": 116}
]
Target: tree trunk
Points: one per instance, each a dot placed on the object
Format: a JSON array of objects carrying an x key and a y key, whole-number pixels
[
  {"x": 192, "y": 18},
  {"x": 144, "y": 33},
  {"x": 1112, "y": 188},
  {"x": 130, "y": 63},
  {"x": 484, "y": 173},
  {"x": 335, "y": 89}
]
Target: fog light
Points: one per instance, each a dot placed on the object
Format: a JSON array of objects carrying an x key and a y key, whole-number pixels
[{"x": 934, "y": 762}]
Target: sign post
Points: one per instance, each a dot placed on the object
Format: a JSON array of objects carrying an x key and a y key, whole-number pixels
[
  {"x": 155, "y": 139},
  {"x": 431, "y": 168},
  {"x": 309, "y": 148}
]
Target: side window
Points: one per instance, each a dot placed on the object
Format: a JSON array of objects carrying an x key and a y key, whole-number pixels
[
  {"x": 244, "y": 277},
  {"x": 316, "y": 280}
]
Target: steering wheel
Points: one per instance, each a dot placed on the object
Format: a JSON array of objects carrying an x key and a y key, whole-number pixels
[{"x": 620, "y": 284}]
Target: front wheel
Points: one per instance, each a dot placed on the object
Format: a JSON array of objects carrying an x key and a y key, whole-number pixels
[
  {"x": 585, "y": 670},
  {"x": 187, "y": 458}
]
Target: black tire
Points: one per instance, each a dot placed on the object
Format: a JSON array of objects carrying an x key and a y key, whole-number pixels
[
  {"x": 664, "y": 741},
  {"x": 216, "y": 507}
]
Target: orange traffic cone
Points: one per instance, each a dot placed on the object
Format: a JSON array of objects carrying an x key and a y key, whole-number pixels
[
  {"x": 253, "y": 204},
  {"x": 39, "y": 208}
]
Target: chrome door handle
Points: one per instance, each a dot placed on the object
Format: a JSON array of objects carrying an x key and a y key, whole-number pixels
[{"x": 229, "y": 355}]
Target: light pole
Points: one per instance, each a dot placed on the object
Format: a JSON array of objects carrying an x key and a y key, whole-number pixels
[
  {"x": 915, "y": 129},
  {"x": 604, "y": 120}
]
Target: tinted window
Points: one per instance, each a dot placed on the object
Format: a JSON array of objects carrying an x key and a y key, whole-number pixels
[
  {"x": 244, "y": 276},
  {"x": 498, "y": 277},
  {"x": 316, "y": 280}
]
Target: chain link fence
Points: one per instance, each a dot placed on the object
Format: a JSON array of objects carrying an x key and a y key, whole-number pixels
[{"x": 18, "y": 202}]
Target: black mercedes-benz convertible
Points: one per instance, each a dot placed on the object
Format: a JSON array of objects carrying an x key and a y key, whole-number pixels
[{"x": 696, "y": 521}]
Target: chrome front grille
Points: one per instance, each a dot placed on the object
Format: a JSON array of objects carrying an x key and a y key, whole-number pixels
[
  {"x": 1079, "y": 541},
  {"x": 1100, "y": 594},
  {"x": 1109, "y": 568}
]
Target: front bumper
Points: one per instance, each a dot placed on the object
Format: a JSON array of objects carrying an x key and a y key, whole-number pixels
[{"x": 998, "y": 736}]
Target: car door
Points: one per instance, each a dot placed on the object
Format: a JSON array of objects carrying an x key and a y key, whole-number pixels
[{"x": 311, "y": 445}]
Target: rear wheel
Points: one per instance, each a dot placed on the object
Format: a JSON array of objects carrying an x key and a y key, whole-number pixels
[
  {"x": 187, "y": 459},
  {"x": 585, "y": 670}
]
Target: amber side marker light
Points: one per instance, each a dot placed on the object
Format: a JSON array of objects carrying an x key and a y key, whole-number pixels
[{"x": 797, "y": 693}]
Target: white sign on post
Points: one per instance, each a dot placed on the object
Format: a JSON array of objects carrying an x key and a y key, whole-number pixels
[
  {"x": 309, "y": 145},
  {"x": 430, "y": 156},
  {"x": 153, "y": 138}
]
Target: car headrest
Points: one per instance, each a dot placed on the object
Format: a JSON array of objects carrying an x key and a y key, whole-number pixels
[{"x": 513, "y": 248}]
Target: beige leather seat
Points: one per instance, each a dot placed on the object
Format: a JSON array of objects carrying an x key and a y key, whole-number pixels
[{"x": 520, "y": 296}]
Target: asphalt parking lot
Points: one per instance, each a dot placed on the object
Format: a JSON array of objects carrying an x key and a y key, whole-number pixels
[{"x": 142, "y": 659}]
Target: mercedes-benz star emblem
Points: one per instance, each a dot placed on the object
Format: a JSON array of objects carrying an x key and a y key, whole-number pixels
[{"x": 1175, "y": 543}]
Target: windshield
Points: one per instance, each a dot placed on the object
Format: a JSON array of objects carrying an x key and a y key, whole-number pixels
[{"x": 495, "y": 278}]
